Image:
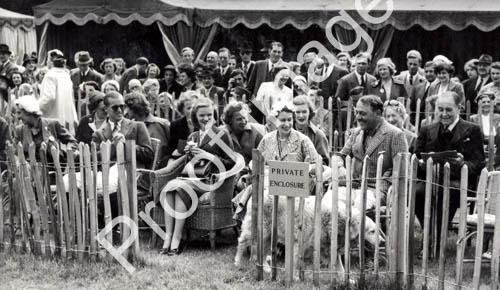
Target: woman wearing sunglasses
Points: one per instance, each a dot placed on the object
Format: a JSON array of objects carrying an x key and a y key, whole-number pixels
[{"x": 387, "y": 87}]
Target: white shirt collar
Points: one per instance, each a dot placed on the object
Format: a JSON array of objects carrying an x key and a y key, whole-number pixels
[
  {"x": 452, "y": 125},
  {"x": 358, "y": 76},
  {"x": 272, "y": 65}
]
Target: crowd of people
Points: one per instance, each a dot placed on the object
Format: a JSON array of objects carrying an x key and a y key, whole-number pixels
[{"x": 276, "y": 106}]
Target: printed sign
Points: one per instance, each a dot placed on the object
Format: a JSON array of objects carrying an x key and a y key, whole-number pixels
[{"x": 289, "y": 178}]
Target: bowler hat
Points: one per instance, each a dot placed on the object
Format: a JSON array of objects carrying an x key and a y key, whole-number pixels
[
  {"x": 4, "y": 48},
  {"x": 484, "y": 58},
  {"x": 83, "y": 58}
]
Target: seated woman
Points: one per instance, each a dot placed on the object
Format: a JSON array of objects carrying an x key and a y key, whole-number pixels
[
  {"x": 93, "y": 121},
  {"x": 181, "y": 128},
  {"x": 482, "y": 118},
  {"x": 304, "y": 113},
  {"x": 245, "y": 136},
  {"x": 387, "y": 87},
  {"x": 395, "y": 114},
  {"x": 202, "y": 116}
]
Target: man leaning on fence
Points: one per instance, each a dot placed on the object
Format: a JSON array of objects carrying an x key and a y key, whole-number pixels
[
  {"x": 374, "y": 136},
  {"x": 451, "y": 133}
]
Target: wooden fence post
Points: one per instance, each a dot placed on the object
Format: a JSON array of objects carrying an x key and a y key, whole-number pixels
[
  {"x": 62, "y": 201},
  {"x": 427, "y": 217},
  {"x": 48, "y": 195},
  {"x": 464, "y": 175},
  {"x": 378, "y": 195},
  {"x": 105, "y": 160},
  {"x": 29, "y": 196},
  {"x": 89, "y": 186},
  {"x": 257, "y": 179},
  {"x": 495, "y": 260},
  {"x": 123, "y": 189},
  {"x": 362, "y": 211},
  {"x": 481, "y": 195},
  {"x": 132, "y": 189},
  {"x": 330, "y": 124},
  {"x": 335, "y": 218},
  {"x": 411, "y": 222},
  {"x": 347, "y": 235},
  {"x": 444, "y": 225},
  {"x": 37, "y": 177},
  {"x": 317, "y": 221}
]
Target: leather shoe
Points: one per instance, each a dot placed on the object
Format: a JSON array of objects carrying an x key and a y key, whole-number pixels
[{"x": 164, "y": 251}]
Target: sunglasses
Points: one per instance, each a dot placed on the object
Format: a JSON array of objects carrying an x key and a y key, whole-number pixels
[{"x": 116, "y": 107}]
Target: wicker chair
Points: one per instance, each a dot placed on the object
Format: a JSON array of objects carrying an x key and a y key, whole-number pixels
[{"x": 212, "y": 216}]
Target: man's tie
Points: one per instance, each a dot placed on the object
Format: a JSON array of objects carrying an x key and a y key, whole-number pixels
[
  {"x": 245, "y": 68},
  {"x": 411, "y": 80},
  {"x": 363, "y": 81},
  {"x": 479, "y": 85},
  {"x": 115, "y": 129}
]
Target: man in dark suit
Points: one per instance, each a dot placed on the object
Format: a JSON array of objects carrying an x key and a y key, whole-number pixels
[
  {"x": 421, "y": 91},
  {"x": 133, "y": 72},
  {"x": 359, "y": 77},
  {"x": 222, "y": 74},
  {"x": 247, "y": 64},
  {"x": 264, "y": 70},
  {"x": 7, "y": 68},
  {"x": 330, "y": 83},
  {"x": 450, "y": 133},
  {"x": 118, "y": 129},
  {"x": 474, "y": 85},
  {"x": 84, "y": 73},
  {"x": 209, "y": 90}
]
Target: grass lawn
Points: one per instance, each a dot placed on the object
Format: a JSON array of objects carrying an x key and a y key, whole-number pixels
[{"x": 196, "y": 268}]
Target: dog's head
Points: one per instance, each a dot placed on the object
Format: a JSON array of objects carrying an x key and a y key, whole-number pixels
[
  {"x": 371, "y": 233},
  {"x": 243, "y": 182}
]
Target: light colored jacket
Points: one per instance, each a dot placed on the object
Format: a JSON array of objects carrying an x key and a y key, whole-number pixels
[{"x": 56, "y": 97}]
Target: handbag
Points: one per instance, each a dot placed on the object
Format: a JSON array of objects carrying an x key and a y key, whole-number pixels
[{"x": 201, "y": 169}]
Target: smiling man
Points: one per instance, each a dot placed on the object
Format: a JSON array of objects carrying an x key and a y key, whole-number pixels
[
  {"x": 451, "y": 133},
  {"x": 373, "y": 135},
  {"x": 118, "y": 129}
]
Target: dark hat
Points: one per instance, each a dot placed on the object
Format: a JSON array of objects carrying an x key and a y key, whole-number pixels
[
  {"x": 240, "y": 91},
  {"x": 32, "y": 57},
  {"x": 4, "y": 48},
  {"x": 142, "y": 61},
  {"x": 208, "y": 73},
  {"x": 170, "y": 68},
  {"x": 246, "y": 46},
  {"x": 484, "y": 58},
  {"x": 356, "y": 91},
  {"x": 83, "y": 57}
]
